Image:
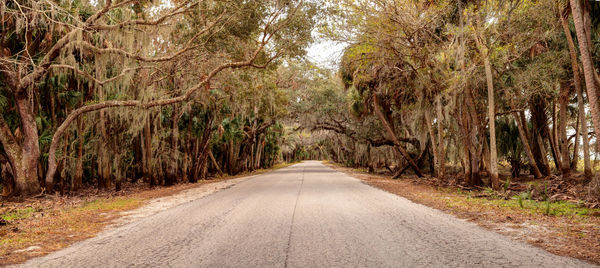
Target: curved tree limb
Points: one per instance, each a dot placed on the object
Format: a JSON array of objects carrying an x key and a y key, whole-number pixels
[
  {"x": 43, "y": 66},
  {"x": 134, "y": 103},
  {"x": 390, "y": 131},
  {"x": 250, "y": 62}
]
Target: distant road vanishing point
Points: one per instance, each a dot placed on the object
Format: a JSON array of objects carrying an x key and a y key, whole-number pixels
[{"x": 305, "y": 215}]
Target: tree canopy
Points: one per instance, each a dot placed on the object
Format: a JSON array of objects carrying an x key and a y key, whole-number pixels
[{"x": 101, "y": 93}]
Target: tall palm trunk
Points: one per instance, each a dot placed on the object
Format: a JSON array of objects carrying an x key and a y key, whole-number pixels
[
  {"x": 582, "y": 128},
  {"x": 587, "y": 166},
  {"x": 553, "y": 138},
  {"x": 576, "y": 144},
  {"x": 562, "y": 129},
  {"x": 586, "y": 60}
]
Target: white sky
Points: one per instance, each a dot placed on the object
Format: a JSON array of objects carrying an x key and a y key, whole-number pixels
[{"x": 326, "y": 53}]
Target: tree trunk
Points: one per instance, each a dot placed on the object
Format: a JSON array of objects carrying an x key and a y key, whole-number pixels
[
  {"x": 464, "y": 128},
  {"x": 475, "y": 130},
  {"x": 587, "y": 23},
  {"x": 188, "y": 153},
  {"x": 428, "y": 122},
  {"x": 393, "y": 136},
  {"x": 200, "y": 171},
  {"x": 556, "y": 155},
  {"x": 214, "y": 161},
  {"x": 539, "y": 124},
  {"x": 7, "y": 176},
  {"x": 117, "y": 177},
  {"x": 543, "y": 152},
  {"x": 554, "y": 148},
  {"x": 525, "y": 141},
  {"x": 584, "y": 136},
  {"x": 103, "y": 157},
  {"x": 259, "y": 151},
  {"x": 192, "y": 176},
  {"x": 492, "y": 118},
  {"x": 575, "y": 158},
  {"x": 475, "y": 179},
  {"x": 60, "y": 183},
  {"x": 582, "y": 127},
  {"x": 26, "y": 171},
  {"x": 77, "y": 180},
  {"x": 148, "y": 152},
  {"x": 586, "y": 59},
  {"x": 441, "y": 161},
  {"x": 174, "y": 164},
  {"x": 231, "y": 158},
  {"x": 562, "y": 129},
  {"x": 474, "y": 150},
  {"x": 53, "y": 109}
]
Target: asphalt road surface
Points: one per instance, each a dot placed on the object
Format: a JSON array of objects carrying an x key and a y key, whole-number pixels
[{"x": 306, "y": 215}]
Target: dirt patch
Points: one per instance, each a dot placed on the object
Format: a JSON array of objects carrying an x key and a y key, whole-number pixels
[
  {"x": 34, "y": 227},
  {"x": 563, "y": 231}
]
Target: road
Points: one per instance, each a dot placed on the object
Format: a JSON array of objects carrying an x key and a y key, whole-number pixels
[{"x": 306, "y": 215}]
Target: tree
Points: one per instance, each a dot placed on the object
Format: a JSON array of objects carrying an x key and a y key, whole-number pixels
[
  {"x": 106, "y": 45},
  {"x": 586, "y": 60},
  {"x": 578, "y": 88}
]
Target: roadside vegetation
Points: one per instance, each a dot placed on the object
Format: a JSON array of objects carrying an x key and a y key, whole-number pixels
[
  {"x": 477, "y": 94},
  {"x": 492, "y": 102},
  {"x": 100, "y": 93}
]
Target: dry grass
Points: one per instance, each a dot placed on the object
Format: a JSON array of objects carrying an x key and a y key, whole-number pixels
[
  {"x": 563, "y": 228},
  {"x": 53, "y": 229},
  {"x": 44, "y": 225}
]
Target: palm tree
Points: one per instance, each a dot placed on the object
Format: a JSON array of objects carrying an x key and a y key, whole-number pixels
[{"x": 586, "y": 59}]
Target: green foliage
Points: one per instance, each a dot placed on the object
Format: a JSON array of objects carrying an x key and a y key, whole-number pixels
[
  {"x": 357, "y": 102},
  {"x": 17, "y": 214},
  {"x": 272, "y": 140},
  {"x": 520, "y": 199},
  {"x": 232, "y": 129},
  {"x": 508, "y": 140},
  {"x": 3, "y": 102},
  {"x": 506, "y": 184}
]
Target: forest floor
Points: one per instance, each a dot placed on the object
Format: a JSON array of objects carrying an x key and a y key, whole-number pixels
[
  {"x": 565, "y": 226},
  {"x": 36, "y": 226}
]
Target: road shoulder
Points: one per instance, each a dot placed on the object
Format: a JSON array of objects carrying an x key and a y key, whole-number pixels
[
  {"x": 39, "y": 226},
  {"x": 574, "y": 236}
]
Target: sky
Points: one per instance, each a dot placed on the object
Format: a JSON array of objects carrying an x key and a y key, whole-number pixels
[{"x": 325, "y": 53}]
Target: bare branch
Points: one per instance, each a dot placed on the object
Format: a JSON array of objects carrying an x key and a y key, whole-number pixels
[{"x": 176, "y": 11}]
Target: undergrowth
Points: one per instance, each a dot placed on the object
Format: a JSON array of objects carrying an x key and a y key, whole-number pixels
[{"x": 522, "y": 201}]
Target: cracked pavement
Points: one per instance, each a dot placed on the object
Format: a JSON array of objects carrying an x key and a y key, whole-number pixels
[{"x": 305, "y": 215}]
